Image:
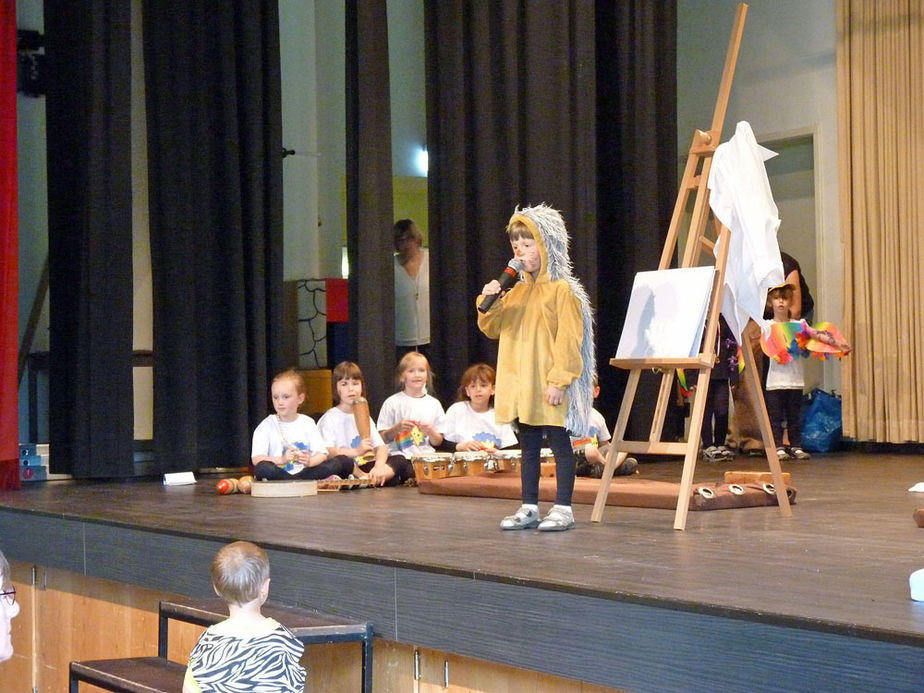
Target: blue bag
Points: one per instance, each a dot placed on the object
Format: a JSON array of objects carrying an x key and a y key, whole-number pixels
[{"x": 821, "y": 421}]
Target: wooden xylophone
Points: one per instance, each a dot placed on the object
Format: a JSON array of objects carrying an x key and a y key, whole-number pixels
[{"x": 440, "y": 465}]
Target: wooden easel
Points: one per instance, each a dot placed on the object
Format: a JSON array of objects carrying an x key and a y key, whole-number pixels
[{"x": 694, "y": 181}]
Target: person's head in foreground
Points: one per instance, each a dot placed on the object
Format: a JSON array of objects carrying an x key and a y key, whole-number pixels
[
  {"x": 9, "y": 609},
  {"x": 241, "y": 573}
]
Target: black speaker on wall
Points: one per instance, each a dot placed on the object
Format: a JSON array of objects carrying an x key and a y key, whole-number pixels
[{"x": 30, "y": 63}]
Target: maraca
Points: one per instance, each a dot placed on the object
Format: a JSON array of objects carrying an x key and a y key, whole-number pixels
[
  {"x": 227, "y": 486},
  {"x": 245, "y": 483}
]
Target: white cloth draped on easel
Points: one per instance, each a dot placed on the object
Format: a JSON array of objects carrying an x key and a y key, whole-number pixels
[{"x": 741, "y": 199}]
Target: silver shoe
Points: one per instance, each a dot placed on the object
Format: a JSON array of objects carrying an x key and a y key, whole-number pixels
[
  {"x": 523, "y": 518},
  {"x": 799, "y": 454},
  {"x": 558, "y": 520},
  {"x": 782, "y": 454}
]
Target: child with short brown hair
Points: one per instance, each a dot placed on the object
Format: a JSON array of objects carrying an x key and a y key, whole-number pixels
[
  {"x": 591, "y": 450},
  {"x": 339, "y": 427},
  {"x": 785, "y": 379},
  {"x": 470, "y": 423}
]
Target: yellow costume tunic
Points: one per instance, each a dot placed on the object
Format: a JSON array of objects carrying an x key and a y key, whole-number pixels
[{"x": 540, "y": 327}]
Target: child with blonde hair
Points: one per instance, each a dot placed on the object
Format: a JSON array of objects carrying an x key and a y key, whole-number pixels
[
  {"x": 287, "y": 444},
  {"x": 412, "y": 421},
  {"x": 338, "y": 425},
  {"x": 247, "y": 651},
  {"x": 470, "y": 422}
]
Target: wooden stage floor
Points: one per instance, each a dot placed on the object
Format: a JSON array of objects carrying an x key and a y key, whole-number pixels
[{"x": 828, "y": 585}]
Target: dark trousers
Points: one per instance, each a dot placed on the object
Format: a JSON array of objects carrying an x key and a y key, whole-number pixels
[
  {"x": 717, "y": 407},
  {"x": 340, "y": 466},
  {"x": 785, "y": 405},
  {"x": 531, "y": 438},
  {"x": 402, "y": 466}
]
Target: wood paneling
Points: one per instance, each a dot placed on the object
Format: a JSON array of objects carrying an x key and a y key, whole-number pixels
[
  {"x": 19, "y": 668},
  {"x": 628, "y": 603},
  {"x": 84, "y": 618},
  {"x": 78, "y": 617}
]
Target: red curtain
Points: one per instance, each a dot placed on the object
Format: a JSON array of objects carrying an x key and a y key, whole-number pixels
[{"x": 9, "y": 252}]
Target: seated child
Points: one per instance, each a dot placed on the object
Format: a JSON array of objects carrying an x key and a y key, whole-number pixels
[
  {"x": 470, "y": 422},
  {"x": 338, "y": 426},
  {"x": 590, "y": 451},
  {"x": 247, "y": 651},
  {"x": 288, "y": 445},
  {"x": 412, "y": 421}
]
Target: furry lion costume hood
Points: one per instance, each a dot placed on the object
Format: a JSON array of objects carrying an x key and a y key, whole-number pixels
[{"x": 556, "y": 263}]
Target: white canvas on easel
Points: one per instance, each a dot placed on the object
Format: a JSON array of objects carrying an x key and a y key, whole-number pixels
[
  {"x": 680, "y": 328},
  {"x": 667, "y": 313}
]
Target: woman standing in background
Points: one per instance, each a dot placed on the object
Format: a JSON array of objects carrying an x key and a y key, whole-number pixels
[{"x": 412, "y": 290}]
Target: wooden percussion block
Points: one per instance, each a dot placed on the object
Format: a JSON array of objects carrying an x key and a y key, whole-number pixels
[
  {"x": 284, "y": 489},
  {"x": 754, "y": 478},
  {"x": 343, "y": 484}
]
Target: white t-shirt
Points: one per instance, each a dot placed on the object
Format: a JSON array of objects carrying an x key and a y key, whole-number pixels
[
  {"x": 426, "y": 409},
  {"x": 339, "y": 429},
  {"x": 412, "y": 303},
  {"x": 273, "y": 437},
  {"x": 597, "y": 434},
  {"x": 464, "y": 423},
  {"x": 785, "y": 376}
]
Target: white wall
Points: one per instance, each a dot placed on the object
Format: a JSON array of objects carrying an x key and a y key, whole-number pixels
[
  {"x": 785, "y": 86},
  {"x": 408, "y": 83},
  {"x": 331, "y": 112},
  {"x": 299, "y": 133}
]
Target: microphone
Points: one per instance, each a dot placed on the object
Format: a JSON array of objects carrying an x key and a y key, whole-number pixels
[{"x": 507, "y": 278}]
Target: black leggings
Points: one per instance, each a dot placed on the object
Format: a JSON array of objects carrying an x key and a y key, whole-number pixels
[
  {"x": 717, "y": 406},
  {"x": 785, "y": 404},
  {"x": 530, "y": 464},
  {"x": 339, "y": 466}
]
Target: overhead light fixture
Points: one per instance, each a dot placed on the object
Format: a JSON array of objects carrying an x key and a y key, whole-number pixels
[{"x": 423, "y": 161}]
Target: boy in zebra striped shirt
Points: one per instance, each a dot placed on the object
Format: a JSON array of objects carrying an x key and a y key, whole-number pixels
[{"x": 248, "y": 651}]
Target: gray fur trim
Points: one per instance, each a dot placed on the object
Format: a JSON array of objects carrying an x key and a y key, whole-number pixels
[{"x": 551, "y": 227}]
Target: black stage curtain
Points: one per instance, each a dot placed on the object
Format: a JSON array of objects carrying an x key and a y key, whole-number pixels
[
  {"x": 369, "y": 196},
  {"x": 89, "y": 237},
  {"x": 568, "y": 103},
  {"x": 510, "y": 121},
  {"x": 214, "y": 149},
  {"x": 638, "y": 178}
]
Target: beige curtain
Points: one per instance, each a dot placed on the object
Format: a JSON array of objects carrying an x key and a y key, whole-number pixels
[{"x": 880, "y": 66}]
